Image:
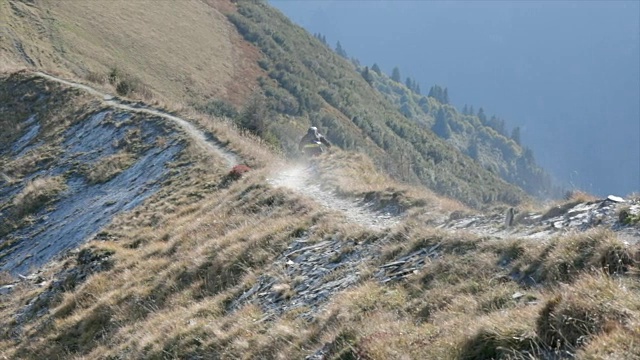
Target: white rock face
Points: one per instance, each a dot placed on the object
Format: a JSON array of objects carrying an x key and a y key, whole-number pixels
[{"x": 616, "y": 199}]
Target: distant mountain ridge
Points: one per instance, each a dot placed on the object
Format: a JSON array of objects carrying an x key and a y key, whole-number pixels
[{"x": 485, "y": 140}]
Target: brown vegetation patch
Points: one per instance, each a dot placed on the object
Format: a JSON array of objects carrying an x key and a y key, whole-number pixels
[
  {"x": 595, "y": 304},
  {"x": 563, "y": 259},
  {"x": 37, "y": 193},
  {"x": 108, "y": 167}
]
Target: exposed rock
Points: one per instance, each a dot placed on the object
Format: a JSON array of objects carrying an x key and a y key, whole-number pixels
[
  {"x": 85, "y": 206},
  {"x": 7, "y": 289},
  {"x": 616, "y": 199},
  {"x": 88, "y": 261},
  {"x": 509, "y": 217}
]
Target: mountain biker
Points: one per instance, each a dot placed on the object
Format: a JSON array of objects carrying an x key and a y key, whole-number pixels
[{"x": 311, "y": 143}]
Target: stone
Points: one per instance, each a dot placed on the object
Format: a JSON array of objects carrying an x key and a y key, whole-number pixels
[
  {"x": 615, "y": 199},
  {"x": 4, "y": 290},
  {"x": 508, "y": 218}
]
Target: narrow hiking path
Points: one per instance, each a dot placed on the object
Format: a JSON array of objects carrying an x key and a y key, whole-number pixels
[
  {"x": 197, "y": 135},
  {"x": 300, "y": 178}
]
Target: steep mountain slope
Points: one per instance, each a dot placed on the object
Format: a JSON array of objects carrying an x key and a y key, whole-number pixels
[
  {"x": 181, "y": 258},
  {"x": 312, "y": 84},
  {"x": 483, "y": 139},
  {"x": 183, "y": 52},
  {"x": 213, "y": 266},
  {"x": 205, "y": 64}
]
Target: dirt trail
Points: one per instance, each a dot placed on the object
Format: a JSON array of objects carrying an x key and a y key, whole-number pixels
[
  {"x": 200, "y": 138},
  {"x": 300, "y": 179}
]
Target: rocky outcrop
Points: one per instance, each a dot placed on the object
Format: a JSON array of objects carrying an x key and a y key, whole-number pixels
[
  {"x": 571, "y": 216},
  {"x": 78, "y": 267},
  {"x": 86, "y": 206},
  {"x": 307, "y": 274}
]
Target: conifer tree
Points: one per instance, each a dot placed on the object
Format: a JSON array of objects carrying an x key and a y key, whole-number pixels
[
  {"x": 376, "y": 68},
  {"x": 515, "y": 135},
  {"x": 441, "y": 126},
  {"x": 395, "y": 74},
  {"x": 340, "y": 50},
  {"x": 482, "y": 116},
  {"x": 434, "y": 92},
  {"x": 367, "y": 75}
]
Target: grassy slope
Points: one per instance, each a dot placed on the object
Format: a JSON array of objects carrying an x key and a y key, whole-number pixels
[
  {"x": 178, "y": 261},
  {"x": 198, "y": 55},
  {"x": 310, "y": 82},
  {"x": 184, "y": 52},
  {"x": 183, "y": 257}
]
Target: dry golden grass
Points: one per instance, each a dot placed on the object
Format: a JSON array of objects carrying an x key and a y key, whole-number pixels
[
  {"x": 193, "y": 57},
  {"x": 563, "y": 259},
  {"x": 37, "y": 193},
  {"x": 560, "y": 207},
  {"x": 109, "y": 166},
  {"x": 580, "y": 197},
  {"x": 617, "y": 343},
  {"x": 182, "y": 257},
  {"x": 354, "y": 175},
  {"x": 595, "y": 304},
  {"x": 29, "y": 162}
]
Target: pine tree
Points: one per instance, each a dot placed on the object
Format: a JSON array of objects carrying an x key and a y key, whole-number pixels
[
  {"x": 395, "y": 74},
  {"x": 367, "y": 75},
  {"x": 473, "y": 150},
  {"x": 418, "y": 89},
  {"x": 482, "y": 116},
  {"x": 441, "y": 126},
  {"x": 376, "y": 69},
  {"x": 465, "y": 110},
  {"x": 434, "y": 92},
  {"x": 440, "y": 94},
  {"x": 515, "y": 135},
  {"x": 409, "y": 83},
  {"x": 340, "y": 51}
]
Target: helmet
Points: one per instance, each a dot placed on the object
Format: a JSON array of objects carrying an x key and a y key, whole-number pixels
[{"x": 312, "y": 130}]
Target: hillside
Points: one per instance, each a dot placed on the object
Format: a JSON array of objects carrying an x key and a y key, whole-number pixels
[
  {"x": 274, "y": 265},
  {"x": 154, "y": 223},
  {"x": 482, "y": 138},
  {"x": 298, "y": 80},
  {"x": 181, "y": 54}
]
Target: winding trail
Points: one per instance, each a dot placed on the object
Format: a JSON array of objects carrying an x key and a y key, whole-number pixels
[
  {"x": 211, "y": 145},
  {"x": 300, "y": 179}
]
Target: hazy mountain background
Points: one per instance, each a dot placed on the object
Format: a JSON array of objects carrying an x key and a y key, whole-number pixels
[{"x": 567, "y": 73}]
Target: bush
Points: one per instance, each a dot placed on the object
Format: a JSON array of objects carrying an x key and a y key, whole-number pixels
[
  {"x": 108, "y": 167},
  {"x": 37, "y": 193},
  {"x": 127, "y": 84},
  {"x": 219, "y": 108},
  {"x": 595, "y": 304}
]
